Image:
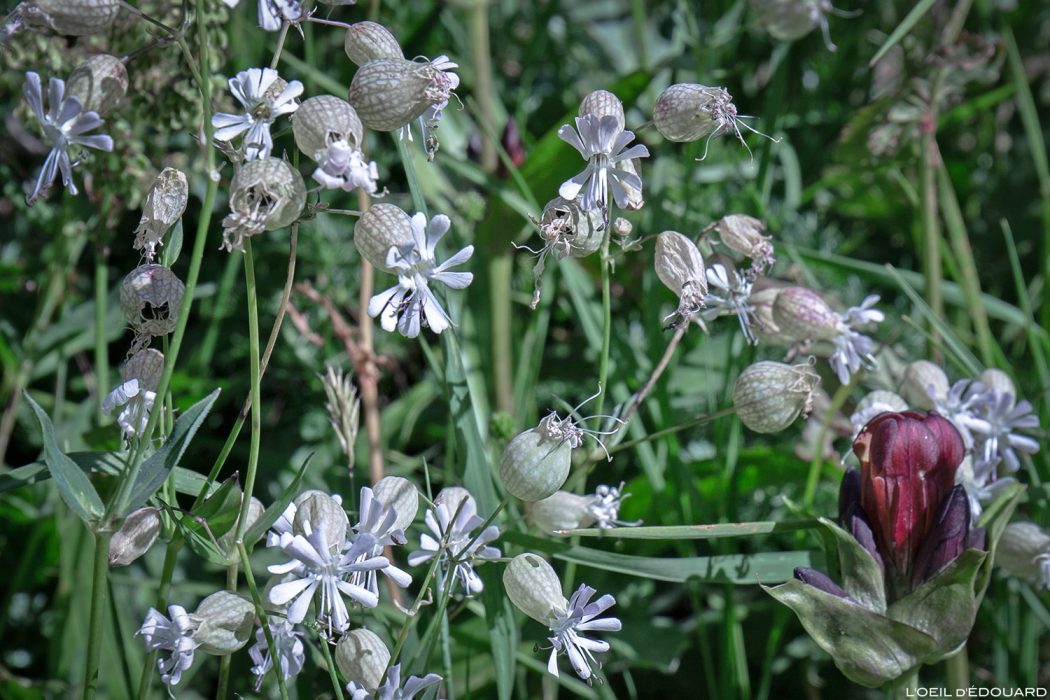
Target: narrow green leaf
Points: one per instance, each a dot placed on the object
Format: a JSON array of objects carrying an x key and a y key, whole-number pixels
[
  {"x": 762, "y": 567},
  {"x": 270, "y": 515},
  {"x": 906, "y": 25},
  {"x": 212, "y": 518},
  {"x": 73, "y": 484},
  {"x": 693, "y": 532},
  {"x": 503, "y": 631},
  {"x": 173, "y": 246},
  {"x": 187, "y": 481},
  {"x": 155, "y": 470}
]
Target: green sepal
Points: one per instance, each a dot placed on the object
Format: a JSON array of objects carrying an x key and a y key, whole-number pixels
[
  {"x": 869, "y": 648},
  {"x": 862, "y": 577}
]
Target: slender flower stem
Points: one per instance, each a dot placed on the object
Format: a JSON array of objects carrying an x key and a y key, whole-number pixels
[
  {"x": 260, "y": 612},
  {"x": 101, "y": 294},
  {"x": 813, "y": 478},
  {"x": 330, "y": 665},
  {"x": 446, "y": 655},
  {"x": 98, "y": 605},
  {"x": 171, "y": 556},
  {"x": 603, "y": 358}
]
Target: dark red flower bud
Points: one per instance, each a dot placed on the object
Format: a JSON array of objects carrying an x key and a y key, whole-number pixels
[
  {"x": 947, "y": 538},
  {"x": 819, "y": 580},
  {"x": 908, "y": 462}
]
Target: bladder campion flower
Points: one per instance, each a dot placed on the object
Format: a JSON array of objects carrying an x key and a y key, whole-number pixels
[
  {"x": 265, "y": 97},
  {"x": 174, "y": 635},
  {"x": 602, "y": 142},
  {"x": 451, "y": 523}
]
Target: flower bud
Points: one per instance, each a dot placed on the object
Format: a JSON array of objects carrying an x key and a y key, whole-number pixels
[
  {"x": 923, "y": 383},
  {"x": 401, "y": 495},
  {"x": 99, "y": 83},
  {"x": 362, "y": 658},
  {"x": 1024, "y": 551},
  {"x": 70, "y": 17},
  {"x": 568, "y": 230},
  {"x": 134, "y": 538},
  {"x": 225, "y": 623},
  {"x": 743, "y": 234},
  {"x": 319, "y": 511},
  {"x": 370, "y": 41},
  {"x": 165, "y": 203},
  {"x": 690, "y": 112},
  {"x": 536, "y": 463},
  {"x": 998, "y": 381},
  {"x": 621, "y": 227},
  {"x": 323, "y": 120},
  {"x": 534, "y": 588},
  {"x": 802, "y": 314},
  {"x": 874, "y": 404},
  {"x": 266, "y": 194},
  {"x": 389, "y": 93},
  {"x": 561, "y": 511},
  {"x": 769, "y": 396},
  {"x": 379, "y": 229},
  {"x": 680, "y": 266},
  {"x": 602, "y": 103},
  {"x": 150, "y": 297}
]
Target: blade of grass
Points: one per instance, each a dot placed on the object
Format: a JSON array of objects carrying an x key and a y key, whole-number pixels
[{"x": 902, "y": 29}]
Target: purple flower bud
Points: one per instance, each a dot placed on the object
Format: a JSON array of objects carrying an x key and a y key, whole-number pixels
[
  {"x": 947, "y": 537},
  {"x": 820, "y": 581}
]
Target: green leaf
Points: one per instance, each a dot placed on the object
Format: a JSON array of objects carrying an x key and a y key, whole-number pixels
[
  {"x": 762, "y": 567},
  {"x": 503, "y": 631},
  {"x": 692, "y": 532},
  {"x": 171, "y": 250},
  {"x": 994, "y": 520},
  {"x": 211, "y": 519},
  {"x": 270, "y": 515},
  {"x": 906, "y": 25},
  {"x": 72, "y": 483},
  {"x": 944, "y": 607},
  {"x": 862, "y": 577},
  {"x": 155, "y": 470},
  {"x": 869, "y": 648}
]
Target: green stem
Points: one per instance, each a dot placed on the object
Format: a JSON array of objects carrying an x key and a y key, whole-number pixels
[
  {"x": 815, "y": 466},
  {"x": 98, "y": 605},
  {"x": 330, "y": 665},
  {"x": 957, "y": 668},
  {"x": 171, "y": 556},
  {"x": 260, "y": 612},
  {"x": 101, "y": 350},
  {"x": 446, "y": 655},
  {"x": 904, "y": 687},
  {"x": 603, "y": 358}
]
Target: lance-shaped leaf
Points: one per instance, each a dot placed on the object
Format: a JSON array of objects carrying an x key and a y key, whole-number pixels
[
  {"x": 211, "y": 519},
  {"x": 994, "y": 520},
  {"x": 72, "y": 483},
  {"x": 870, "y": 649},
  {"x": 862, "y": 576}
]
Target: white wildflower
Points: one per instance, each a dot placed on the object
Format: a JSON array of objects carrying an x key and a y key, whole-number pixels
[
  {"x": 454, "y": 544},
  {"x": 729, "y": 295},
  {"x": 260, "y": 111},
  {"x": 430, "y": 119},
  {"x": 853, "y": 349},
  {"x": 410, "y": 304},
  {"x": 605, "y": 507},
  {"x": 344, "y": 167},
  {"x": 602, "y": 143},
  {"x": 174, "y": 635},
  {"x": 289, "y": 646},
  {"x": 392, "y": 688},
  {"x": 65, "y": 124},
  {"x": 376, "y": 529},
  {"x": 579, "y": 617}
]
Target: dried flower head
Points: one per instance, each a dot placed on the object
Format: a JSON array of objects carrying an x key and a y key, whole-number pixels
[
  {"x": 165, "y": 203},
  {"x": 150, "y": 297},
  {"x": 566, "y": 230},
  {"x": 65, "y": 125},
  {"x": 265, "y": 195},
  {"x": 343, "y": 408},
  {"x": 680, "y": 266},
  {"x": 742, "y": 234},
  {"x": 136, "y": 535},
  {"x": 99, "y": 83}
]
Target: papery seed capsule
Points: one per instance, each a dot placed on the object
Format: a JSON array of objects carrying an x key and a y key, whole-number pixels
[
  {"x": 689, "y": 112},
  {"x": 323, "y": 120},
  {"x": 743, "y": 234},
  {"x": 680, "y": 266},
  {"x": 602, "y": 103},
  {"x": 536, "y": 462},
  {"x": 1024, "y": 551},
  {"x": 370, "y": 41},
  {"x": 225, "y": 622},
  {"x": 452, "y": 496},
  {"x": 788, "y": 20},
  {"x": 561, "y": 511},
  {"x": 136, "y": 535},
  {"x": 802, "y": 314},
  {"x": 165, "y": 203},
  {"x": 534, "y": 588},
  {"x": 379, "y": 229},
  {"x": 998, "y": 381},
  {"x": 70, "y": 17},
  {"x": 389, "y": 93},
  {"x": 570, "y": 230},
  {"x": 362, "y": 657},
  {"x": 401, "y": 495},
  {"x": 266, "y": 194},
  {"x": 146, "y": 366},
  {"x": 319, "y": 511},
  {"x": 150, "y": 297},
  {"x": 922, "y": 384},
  {"x": 99, "y": 83},
  {"x": 769, "y": 396}
]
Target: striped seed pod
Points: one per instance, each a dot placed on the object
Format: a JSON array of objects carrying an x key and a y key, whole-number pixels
[
  {"x": 764, "y": 327},
  {"x": 323, "y": 120},
  {"x": 389, "y": 93},
  {"x": 536, "y": 462},
  {"x": 602, "y": 103},
  {"x": 401, "y": 495},
  {"x": 362, "y": 657},
  {"x": 370, "y": 41},
  {"x": 379, "y": 229},
  {"x": 70, "y": 17},
  {"x": 922, "y": 384},
  {"x": 1024, "y": 551},
  {"x": 689, "y": 112},
  {"x": 802, "y": 314},
  {"x": 266, "y": 194},
  {"x": 136, "y": 535},
  {"x": 150, "y": 297},
  {"x": 788, "y": 20},
  {"x": 319, "y": 511},
  {"x": 742, "y": 234},
  {"x": 225, "y": 622},
  {"x": 534, "y": 588},
  {"x": 145, "y": 366},
  {"x": 561, "y": 511},
  {"x": 769, "y": 396},
  {"x": 998, "y": 381},
  {"x": 99, "y": 83}
]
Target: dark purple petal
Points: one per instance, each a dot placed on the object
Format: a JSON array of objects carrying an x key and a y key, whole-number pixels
[
  {"x": 947, "y": 539},
  {"x": 977, "y": 539},
  {"x": 819, "y": 580},
  {"x": 857, "y": 524},
  {"x": 849, "y": 494}
]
